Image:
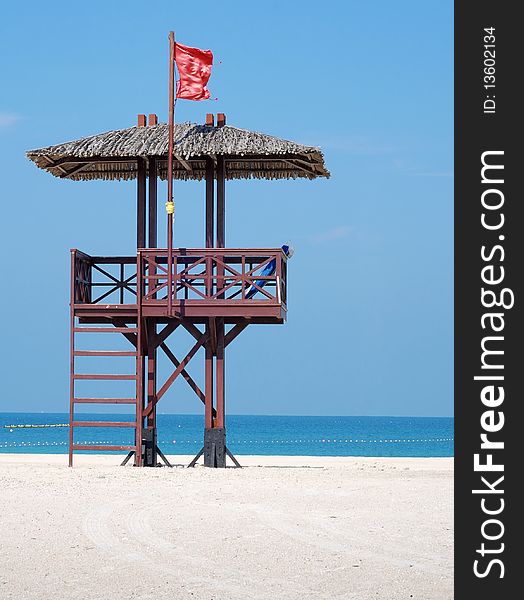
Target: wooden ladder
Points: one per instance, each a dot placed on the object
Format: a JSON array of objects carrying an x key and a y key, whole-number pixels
[{"x": 137, "y": 376}]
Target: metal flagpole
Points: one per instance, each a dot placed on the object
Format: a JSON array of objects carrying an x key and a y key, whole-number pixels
[{"x": 170, "y": 206}]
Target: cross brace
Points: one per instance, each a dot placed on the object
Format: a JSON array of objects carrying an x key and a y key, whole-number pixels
[{"x": 214, "y": 340}]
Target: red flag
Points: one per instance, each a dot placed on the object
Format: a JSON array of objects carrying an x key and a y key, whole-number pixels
[{"x": 194, "y": 66}]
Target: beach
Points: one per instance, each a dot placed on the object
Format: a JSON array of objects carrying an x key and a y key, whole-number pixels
[{"x": 281, "y": 528}]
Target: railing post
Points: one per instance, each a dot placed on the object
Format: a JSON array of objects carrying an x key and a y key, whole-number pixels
[
  {"x": 220, "y": 274},
  {"x": 89, "y": 284},
  {"x": 209, "y": 269},
  {"x": 278, "y": 261},
  {"x": 139, "y": 278},
  {"x": 73, "y": 277},
  {"x": 122, "y": 277},
  {"x": 284, "y": 282},
  {"x": 151, "y": 270},
  {"x": 174, "y": 291},
  {"x": 243, "y": 283}
]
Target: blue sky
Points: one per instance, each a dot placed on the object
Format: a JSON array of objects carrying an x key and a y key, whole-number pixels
[{"x": 370, "y": 318}]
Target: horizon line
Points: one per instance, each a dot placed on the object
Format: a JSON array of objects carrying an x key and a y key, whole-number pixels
[{"x": 242, "y": 415}]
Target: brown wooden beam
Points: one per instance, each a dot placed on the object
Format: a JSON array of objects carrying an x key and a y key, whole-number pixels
[
  {"x": 301, "y": 168},
  {"x": 102, "y": 448},
  {"x": 84, "y": 160},
  {"x": 152, "y": 241},
  {"x": 190, "y": 381},
  {"x": 170, "y": 380},
  {"x": 210, "y": 192},
  {"x": 151, "y": 373},
  {"x": 187, "y": 166},
  {"x": 161, "y": 337},
  {"x": 213, "y": 334},
  {"x": 221, "y": 203},
  {"x": 192, "y": 329},
  {"x": 141, "y": 204},
  {"x": 66, "y": 160},
  {"x": 209, "y": 411},
  {"x": 74, "y": 170},
  {"x": 121, "y": 326},
  {"x": 221, "y": 215},
  {"x": 236, "y": 330},
  {"x": 220, "y": 376}
]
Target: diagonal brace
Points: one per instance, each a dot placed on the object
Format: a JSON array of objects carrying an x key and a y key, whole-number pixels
[
  {"x": 162, "y": 336},
  {"x": 131, "y": 337},
  {"x": 236, "y": 330},
  {"x": 185, "y": 375},
  {"x": 175, "y": 374},
  {"x": 192, "y": 329}
]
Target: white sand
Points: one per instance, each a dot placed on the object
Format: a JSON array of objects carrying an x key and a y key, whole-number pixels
[{"x": 293, "y": 528}]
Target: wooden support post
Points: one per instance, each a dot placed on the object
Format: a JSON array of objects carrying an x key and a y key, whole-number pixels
[
  {"x": 152, "y": 242},
  {"x": 139, "y": 401},
  {"x": 215, "y": 447},
  {"x": 210, "y": 216},
  {"x": 220, "y": 375},
  {"x": 151, "y": 373},
  {"x": 214, "y": 432},
  {"x": 141, "y": 204},
  {"x": 221, "y": 203},
  {"x": 208, "y": 389},
  {"x": 149, "y": 444},
  {"x": 221, "y": 222},
  {"x": 140, "y": 362},
  {"x": 152, "y": 217}
]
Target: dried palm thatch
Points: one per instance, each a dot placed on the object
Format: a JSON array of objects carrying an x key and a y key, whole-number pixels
[{"x": 114, "y": 154}]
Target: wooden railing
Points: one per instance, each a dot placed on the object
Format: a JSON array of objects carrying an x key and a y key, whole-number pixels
[
  {"x": 108, "y": 279},
  {"x": 210, "y": 274},
  {"x": 215, "y": 274}
]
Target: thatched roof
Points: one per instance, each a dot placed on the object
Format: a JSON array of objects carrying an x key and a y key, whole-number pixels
[{"x": 114, "y": 154}]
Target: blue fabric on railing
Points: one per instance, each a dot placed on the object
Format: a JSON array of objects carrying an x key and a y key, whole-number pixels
[{"x": 268, "y": 270}]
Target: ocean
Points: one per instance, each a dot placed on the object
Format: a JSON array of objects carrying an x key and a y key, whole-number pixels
[{"x": 246, "y": 434}]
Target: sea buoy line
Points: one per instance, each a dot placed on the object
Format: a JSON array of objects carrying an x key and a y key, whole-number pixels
[
  {"x": 328, "y": 441},
  {"x": 238, "y": 442},
  {"x": 38, "y": 426}
]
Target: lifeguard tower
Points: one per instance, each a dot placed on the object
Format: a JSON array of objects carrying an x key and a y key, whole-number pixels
[{"x": 148, "y": 296}]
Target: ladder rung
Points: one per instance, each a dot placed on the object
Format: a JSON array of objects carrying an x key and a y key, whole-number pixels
[
  {"x": 105, "y": 329},
  {"x": 103, "y": 424},
  {"x": 104, "y": 400},
  {"x": 107, "y": 448},
  {"x": 104, "y": 353},
  {"x": 104, "y": 376}
]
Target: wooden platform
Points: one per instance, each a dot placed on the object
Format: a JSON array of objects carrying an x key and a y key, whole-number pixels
[{"x": 205, "y": 282}]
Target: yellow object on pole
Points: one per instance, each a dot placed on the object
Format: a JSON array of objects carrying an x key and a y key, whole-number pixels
[{"x": 170, "y": 207}]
